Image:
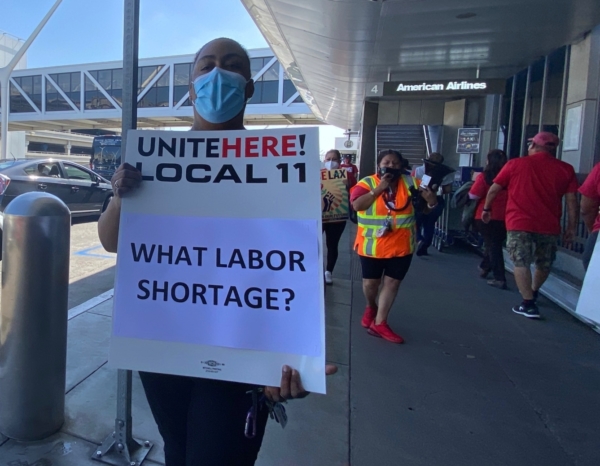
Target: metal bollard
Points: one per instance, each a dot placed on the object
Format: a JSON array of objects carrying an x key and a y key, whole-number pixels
[{"x": 33, "y": 319}]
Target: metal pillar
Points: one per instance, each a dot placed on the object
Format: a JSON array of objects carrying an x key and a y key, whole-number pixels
[
  {"x": 499, "y": 124},
  {"x": 544, "y": 92},
  {"x": 5, "y": 76},
  {"x": 563, "y": 102},
  {"x": 4, "y": 110},
  {"x": 511, "y": 116},
  {"x": 33, "y": 326},
  {"x": 525, "y": 110},
  {"x": 120, "y": 448}
]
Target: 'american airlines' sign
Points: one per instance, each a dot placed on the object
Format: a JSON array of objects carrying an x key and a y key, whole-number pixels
[{"x": 440, "y": 87}]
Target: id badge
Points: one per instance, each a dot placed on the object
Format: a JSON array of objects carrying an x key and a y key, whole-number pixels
[{"x": 387, "y": 227}]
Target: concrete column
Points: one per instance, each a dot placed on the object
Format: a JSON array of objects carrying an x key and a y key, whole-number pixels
[
  {"x": 68, "y": 148},
  {"x": 368, "y": 139},
  {"x": 489, "y": 128},
  {"x": 454, "y": 118},
  {"x": 584, "y": 91}
]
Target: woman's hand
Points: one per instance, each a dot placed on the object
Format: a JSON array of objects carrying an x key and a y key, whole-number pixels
[
  {"x": 429, "y": 196},
  {"x": 125, "y": 179},
  {"x": 291, "y": 385}
]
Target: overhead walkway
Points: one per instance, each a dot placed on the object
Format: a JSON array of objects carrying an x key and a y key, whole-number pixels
[
  {"x": 475, "y": 384},
  {"x": 60, "y": 137},
  {"x": 88, "y": 96}
]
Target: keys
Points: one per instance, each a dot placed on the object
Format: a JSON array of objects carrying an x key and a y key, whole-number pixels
[
  {"x": 280, "y": 415},
  {"x": 277, "y": 412},
  {"x": 250, "y": 425}
]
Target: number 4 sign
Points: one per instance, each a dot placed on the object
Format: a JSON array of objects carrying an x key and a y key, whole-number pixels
[{"x": 374, "y": 89}]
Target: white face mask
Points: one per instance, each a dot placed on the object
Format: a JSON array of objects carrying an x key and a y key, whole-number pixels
[{"x": 332, "y": 165}]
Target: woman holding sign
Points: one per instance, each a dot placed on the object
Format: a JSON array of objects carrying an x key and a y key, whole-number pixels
[
  {"x": 206, "y": 421},
  {"x": 334, "y": 229},
  {"x": 385, "y": 240}
]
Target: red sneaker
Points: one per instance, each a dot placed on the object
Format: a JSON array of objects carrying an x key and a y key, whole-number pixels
[
  {"x": 368, "y": 317},
  {"x": 384, "y": 331}
]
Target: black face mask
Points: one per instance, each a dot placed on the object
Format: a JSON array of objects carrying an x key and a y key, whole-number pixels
[{"x": 395, "y": 172}]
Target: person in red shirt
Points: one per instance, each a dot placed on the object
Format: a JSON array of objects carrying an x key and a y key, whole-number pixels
[
  {"x": 590, "y": 211},
  {"x": 351, "y": 170},
  {"x": 494, "y": 232},
  {"x": 536, "y": 185}
]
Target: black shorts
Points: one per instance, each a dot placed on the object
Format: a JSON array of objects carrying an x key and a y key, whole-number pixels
[{"x": 395, "y": 267}]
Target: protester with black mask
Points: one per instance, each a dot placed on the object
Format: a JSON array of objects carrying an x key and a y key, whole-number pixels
[{"x": 385, "y": 240}]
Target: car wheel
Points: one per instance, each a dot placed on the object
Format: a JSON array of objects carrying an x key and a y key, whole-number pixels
[{"x": 106, "y": 202}]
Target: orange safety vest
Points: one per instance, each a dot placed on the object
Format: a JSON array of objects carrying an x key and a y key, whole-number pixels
[{"x": 398, "y": 242}]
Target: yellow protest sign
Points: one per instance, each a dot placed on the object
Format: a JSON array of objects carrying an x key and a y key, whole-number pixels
[{"x": 334, "y": 195}]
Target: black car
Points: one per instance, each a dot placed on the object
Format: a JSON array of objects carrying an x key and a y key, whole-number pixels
[{"x": 83, "y": 191}]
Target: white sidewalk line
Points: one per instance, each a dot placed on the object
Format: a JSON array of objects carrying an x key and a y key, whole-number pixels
[{"x": 91, "y": 303}]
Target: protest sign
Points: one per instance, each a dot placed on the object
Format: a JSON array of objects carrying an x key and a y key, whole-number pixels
[
  {"x": 588, "y": 306},
  {"x": 334, "y": 195},
  {"x": 219, "y": 266}
]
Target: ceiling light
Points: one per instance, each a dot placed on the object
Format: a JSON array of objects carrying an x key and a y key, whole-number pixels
[{"x": 466, "y": 15}]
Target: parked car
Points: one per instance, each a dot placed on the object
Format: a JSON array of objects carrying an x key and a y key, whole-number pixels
[{"x": 84, "y": 192}]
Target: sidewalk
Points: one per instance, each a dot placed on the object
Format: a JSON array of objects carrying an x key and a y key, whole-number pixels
[
  {"x": 317, "y": 433},
  {"x": 475, "y": 385}
]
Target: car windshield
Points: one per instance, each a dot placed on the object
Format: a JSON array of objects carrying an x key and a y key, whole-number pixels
[
  {"x": 107, "y": 155},
  {"x": 10, "y": 163}
]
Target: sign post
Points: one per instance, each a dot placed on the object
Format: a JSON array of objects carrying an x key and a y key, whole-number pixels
[
  {"x": 120, "y": 448},
  {"x": 219, "y": 268}
]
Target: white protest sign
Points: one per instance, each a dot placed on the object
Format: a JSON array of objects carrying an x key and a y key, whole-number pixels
[
  {"x": 588, "y": 305},
  {"x": 219, "y": 266}
]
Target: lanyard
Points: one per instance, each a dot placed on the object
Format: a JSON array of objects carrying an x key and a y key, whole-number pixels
[{"x": 391, "y": 205}]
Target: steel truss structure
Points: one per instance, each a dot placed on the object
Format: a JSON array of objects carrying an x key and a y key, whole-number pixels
[{"x": 89, "y": 96}]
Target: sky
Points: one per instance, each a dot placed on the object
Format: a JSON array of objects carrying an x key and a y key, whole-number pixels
[{"x": 87, "y": 31}]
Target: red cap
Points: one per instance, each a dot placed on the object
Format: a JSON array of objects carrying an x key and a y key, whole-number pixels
[{"x": 546, "y": 139}]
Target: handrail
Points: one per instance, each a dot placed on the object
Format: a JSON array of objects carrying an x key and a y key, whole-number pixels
[
  {"x": 51, "y": 131},
  {"x": 56, "y": 154},
  {"x": 427, "y": 140}
]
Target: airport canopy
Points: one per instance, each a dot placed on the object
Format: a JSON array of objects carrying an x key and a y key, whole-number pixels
[{"x": 333, "y": 49}]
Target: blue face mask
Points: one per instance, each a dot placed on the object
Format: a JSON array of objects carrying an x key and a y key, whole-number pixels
[{"x": 220, "y": 95}]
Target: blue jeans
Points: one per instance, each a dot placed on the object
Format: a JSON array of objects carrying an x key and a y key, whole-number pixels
[{"x": 426, "y": 223}]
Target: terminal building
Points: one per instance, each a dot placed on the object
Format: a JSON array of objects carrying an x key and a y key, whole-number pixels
[
  {"x": 475, "y": 385},
  {"x": 402, "y": 75},
  {"x": 409, "y": 75}
]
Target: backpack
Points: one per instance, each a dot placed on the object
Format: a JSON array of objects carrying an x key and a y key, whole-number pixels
[{"x": 461, "y": 199}]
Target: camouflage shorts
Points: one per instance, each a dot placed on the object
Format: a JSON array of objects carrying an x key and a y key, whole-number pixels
[{"x": 524, "y": 248}]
